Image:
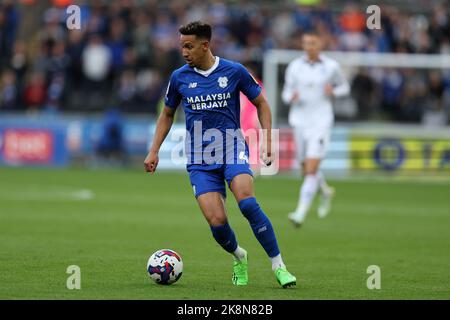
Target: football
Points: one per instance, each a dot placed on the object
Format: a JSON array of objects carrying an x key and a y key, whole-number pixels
[{"x": 165, "y": 266}]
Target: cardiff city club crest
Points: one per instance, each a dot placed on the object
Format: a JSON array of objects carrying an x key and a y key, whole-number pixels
[{"x": 223, "y": 82}]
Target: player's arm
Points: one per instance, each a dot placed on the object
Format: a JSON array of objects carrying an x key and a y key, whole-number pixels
[
  {"x": 340, "y": 86},
  {"x": 163, "y": 125},
  {"x": 171, "y": 100},
  {"x": 265, "y": 118},
  {"x": 250, "y": 87},
  {"x": 289, "y": 94}
]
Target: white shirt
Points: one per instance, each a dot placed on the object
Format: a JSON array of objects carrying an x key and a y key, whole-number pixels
[{"x": 313, "y": 108}]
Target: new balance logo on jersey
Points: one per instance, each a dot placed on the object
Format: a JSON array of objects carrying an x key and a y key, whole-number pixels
[
  {"x": 192, "y": 85},
  {"x": 223, "y": 82}
]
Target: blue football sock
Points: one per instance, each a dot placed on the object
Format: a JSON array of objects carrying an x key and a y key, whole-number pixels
[
  {"x": 225, "y": 236},
  {"x": 261, "y": 226}
]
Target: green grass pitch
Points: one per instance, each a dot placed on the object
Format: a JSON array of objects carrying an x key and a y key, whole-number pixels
[{"x": 48, "y": 221}]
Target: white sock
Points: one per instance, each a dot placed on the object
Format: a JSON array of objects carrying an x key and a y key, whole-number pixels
[
  {"x": 277, "y": 262},
  {"x": 307, "y": 193},
  {"x": 323, "y": 185},
  {"x": 239, "y": 253}
]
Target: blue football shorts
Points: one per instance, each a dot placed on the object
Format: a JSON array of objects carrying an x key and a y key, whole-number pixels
[{"x": 205, "y": 180}]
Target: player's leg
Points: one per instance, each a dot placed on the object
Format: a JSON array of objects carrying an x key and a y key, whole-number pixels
[
  {"x": 326, "y": 193},
  {"x": 316, "y": 146},
  {"x": 242, "y": 188},
  {"x": 210, "y": 192},
  {"x": 212, "y": 205},
  {"x": 241, "y": 184},
  {"x": 323, "y": 185},
  {"x": 313, "y": 141},
  {"x": 301, "y": 138},
  {"x": 308, "y": 191}
]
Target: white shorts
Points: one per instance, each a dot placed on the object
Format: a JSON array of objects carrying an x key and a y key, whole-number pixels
[{"x": 311, "y": 143}]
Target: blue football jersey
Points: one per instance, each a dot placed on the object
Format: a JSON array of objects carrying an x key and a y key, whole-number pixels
[{"x": 210, "y": 100}]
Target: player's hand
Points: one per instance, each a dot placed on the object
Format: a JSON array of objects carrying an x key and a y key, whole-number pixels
[
  {"x": 266, "y": 154},
  {"x": 295, "y": 97},
  {"x": 267, "y": 159},
  {"x": 329, "y": 90},
  {"x": 151, "y": 162}
]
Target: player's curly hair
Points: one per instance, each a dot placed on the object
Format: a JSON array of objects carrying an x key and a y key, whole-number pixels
[{"x": 197, "y": 28}]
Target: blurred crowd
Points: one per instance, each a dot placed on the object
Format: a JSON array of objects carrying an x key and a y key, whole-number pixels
[{"x": 126, "y": 49}]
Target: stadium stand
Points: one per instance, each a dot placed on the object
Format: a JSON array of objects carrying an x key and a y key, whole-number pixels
[{"x": 125, "y": 50}]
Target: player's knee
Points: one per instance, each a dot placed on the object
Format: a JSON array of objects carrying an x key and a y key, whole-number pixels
[
  {"x": 244, "y": 194},
  {"x": 310, "y": 170},
  {"x": 216, "y": 220}
]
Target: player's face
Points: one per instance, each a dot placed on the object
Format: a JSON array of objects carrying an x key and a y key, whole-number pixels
[
  {"x": 311, "y": 44},
  {"x": 193, "y": 49}
]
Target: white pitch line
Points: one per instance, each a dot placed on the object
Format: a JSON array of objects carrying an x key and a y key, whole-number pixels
[
  {"x": 48, "y": 195},
  {"x": 84, "y": 194}
]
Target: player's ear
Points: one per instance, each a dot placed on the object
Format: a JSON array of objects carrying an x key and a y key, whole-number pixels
[{"x": 205, "y": 45}]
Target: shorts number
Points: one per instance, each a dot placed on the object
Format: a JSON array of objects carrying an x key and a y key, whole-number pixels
[{"x": 243, "y": 156}]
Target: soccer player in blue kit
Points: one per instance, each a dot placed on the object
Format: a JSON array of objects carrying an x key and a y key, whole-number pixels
[{"x": 208, "y": 88}]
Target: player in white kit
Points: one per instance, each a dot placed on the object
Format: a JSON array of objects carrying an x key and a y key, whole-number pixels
[{"x": 311, "y": 81}]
